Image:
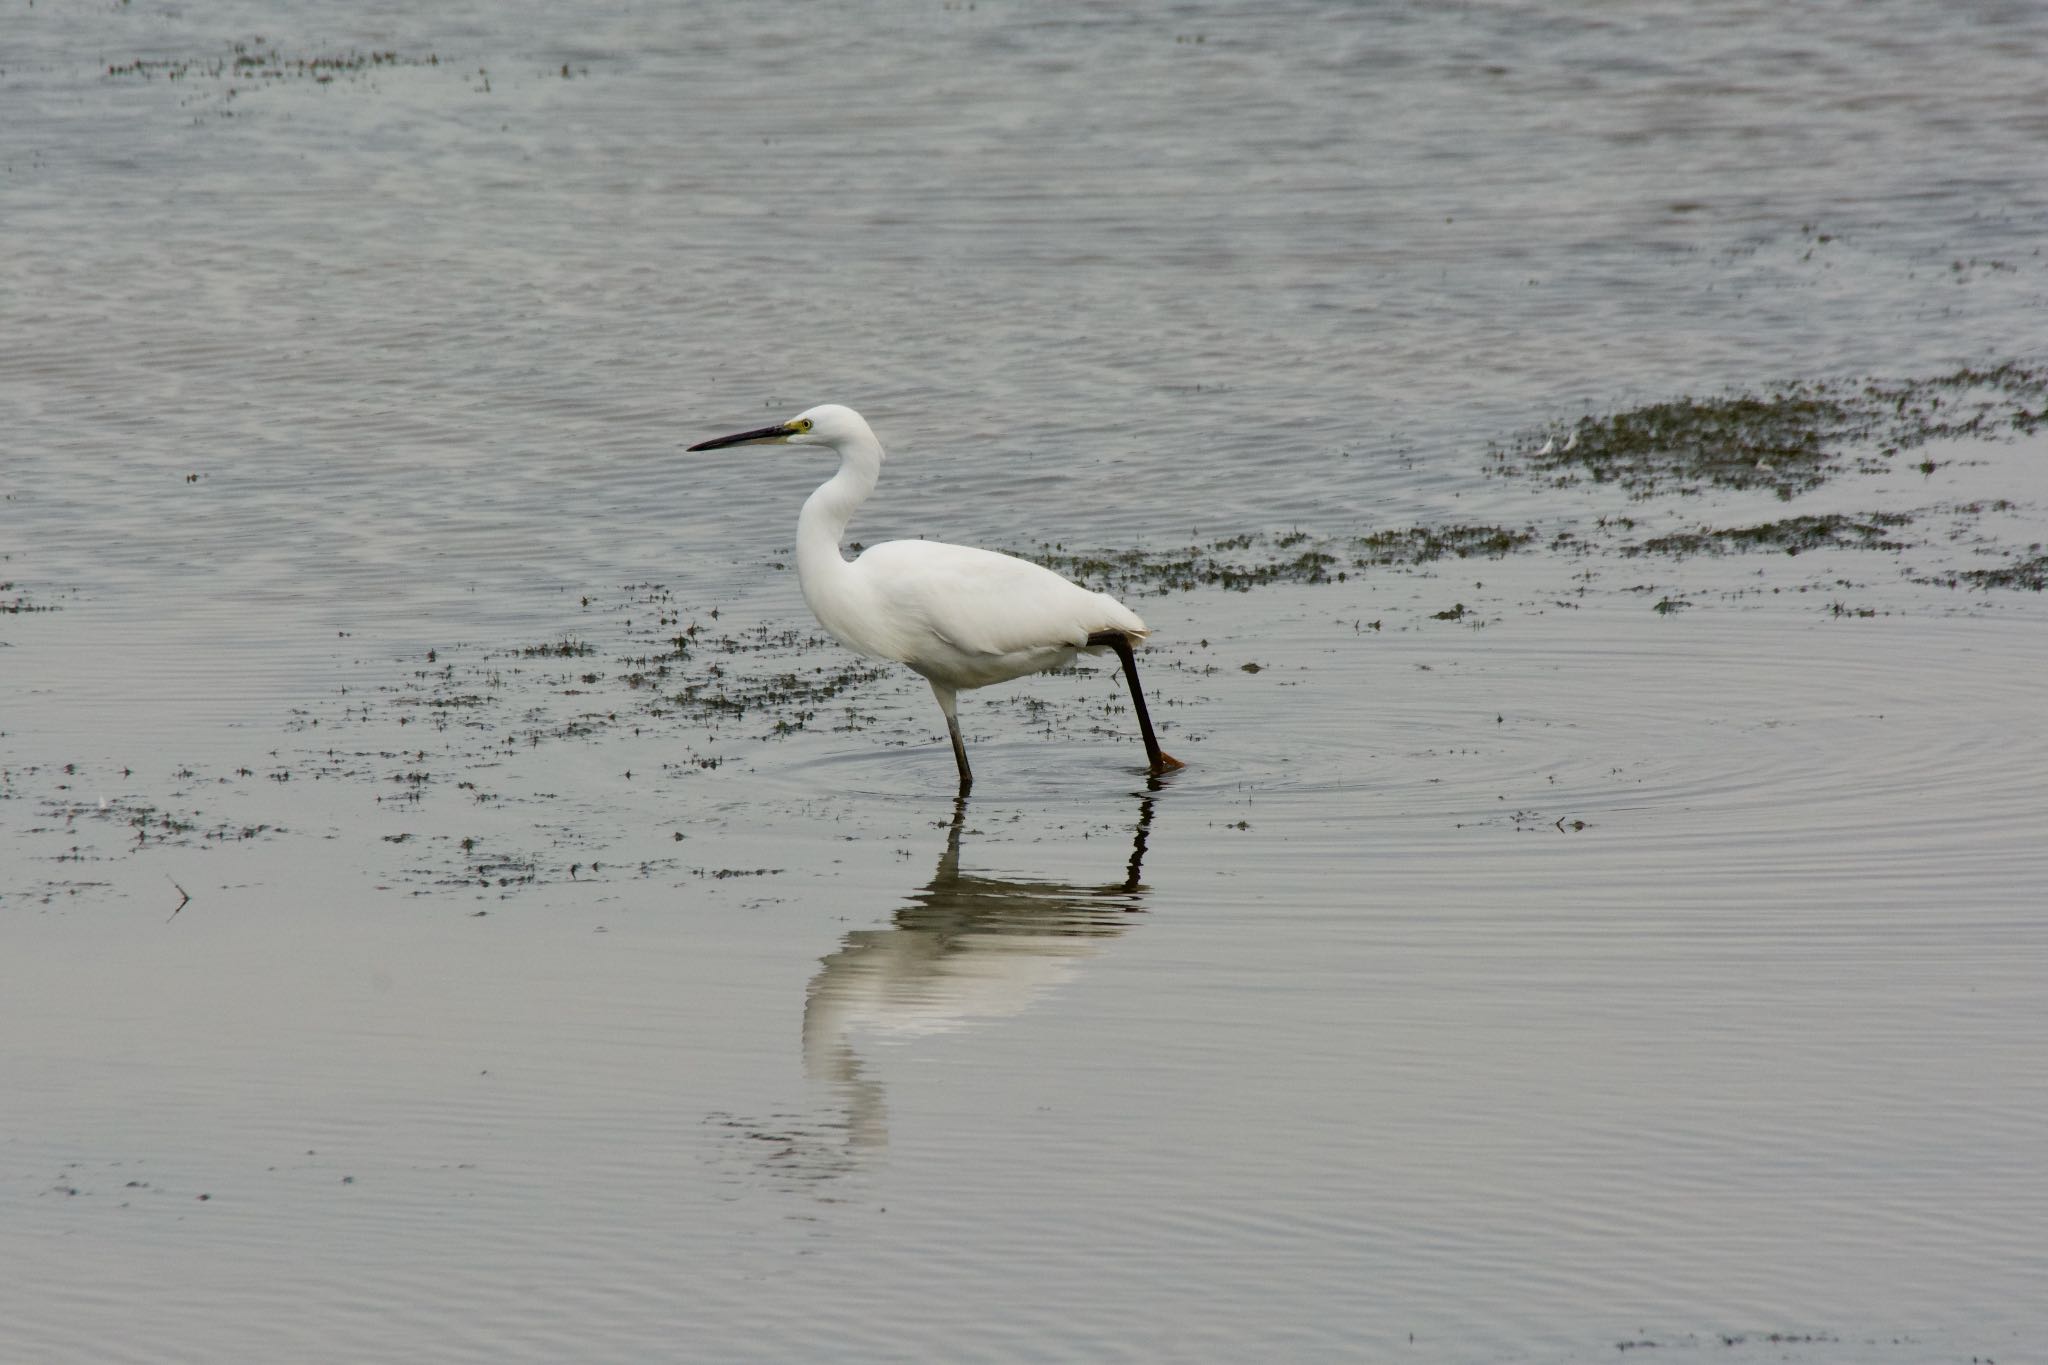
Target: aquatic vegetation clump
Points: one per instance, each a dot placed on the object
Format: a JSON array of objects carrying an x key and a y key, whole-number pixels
[
  {"x": 260, "y": 63},
  {"x": 1982, "y": 403},
  {"x": 792, "y": 697},
  {"x": 1789, "y": 439},
  {"x": 1183, "y": 570},
  {"x": 2029, "y": 575},
  {"x": 1776, "y": 441},
  {"x": 1423, "y": 544},
  {"x": 1243, "y": 562},
  {"x": 1793, "y": 535}
]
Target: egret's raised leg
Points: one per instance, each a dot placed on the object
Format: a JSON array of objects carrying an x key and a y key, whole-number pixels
[
  {"x": 1160, "y": 762},
  {"x": 946, "y": 696}
]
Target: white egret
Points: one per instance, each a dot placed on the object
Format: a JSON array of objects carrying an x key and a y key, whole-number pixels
[{"x": 960, "y": 616}]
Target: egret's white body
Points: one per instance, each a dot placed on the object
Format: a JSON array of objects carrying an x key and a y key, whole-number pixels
[{"x": 960, "y": 616}]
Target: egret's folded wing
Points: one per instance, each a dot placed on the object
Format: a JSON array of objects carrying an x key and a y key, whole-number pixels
[{"x": 981, "y": 602}]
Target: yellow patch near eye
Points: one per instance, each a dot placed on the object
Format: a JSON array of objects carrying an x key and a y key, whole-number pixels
[{"x": 802, "y": 424}]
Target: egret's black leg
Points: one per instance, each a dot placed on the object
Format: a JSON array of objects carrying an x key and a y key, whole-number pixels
[
  {"x": 1159, "y": 762},
  {"x": 959, "y": 754},
  {"x": 946, "y": 697}
]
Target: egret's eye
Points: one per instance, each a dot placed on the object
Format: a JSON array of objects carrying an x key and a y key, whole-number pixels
[{"x": 802, "y": 424}]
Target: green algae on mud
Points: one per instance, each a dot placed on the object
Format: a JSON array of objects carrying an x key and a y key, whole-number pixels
[
  {"x": 1791, "y": 535},
  {"x": 219, "y": 81},
  {"x": 255, "y": 62},
  {"x": 662, "y": 673},
  {"x": 2030, "y": 575},
  {"x": 1243, "y": 562},
  {"x": 1789, "y": 439}
]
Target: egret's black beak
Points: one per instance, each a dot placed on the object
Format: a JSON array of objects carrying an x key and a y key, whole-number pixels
[{"x": 779, "y": 432}]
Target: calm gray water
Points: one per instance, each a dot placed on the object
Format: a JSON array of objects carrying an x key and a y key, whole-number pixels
[{"x": 1500, "y": 985}]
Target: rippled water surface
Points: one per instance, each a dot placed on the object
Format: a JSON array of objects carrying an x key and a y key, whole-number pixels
[{"x": 456, "y": 908}]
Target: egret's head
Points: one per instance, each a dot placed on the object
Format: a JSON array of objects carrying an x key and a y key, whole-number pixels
[{"x": 828, "y": 424}]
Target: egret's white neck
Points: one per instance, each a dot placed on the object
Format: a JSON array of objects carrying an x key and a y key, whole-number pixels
[{"x": 821, "y": 572}]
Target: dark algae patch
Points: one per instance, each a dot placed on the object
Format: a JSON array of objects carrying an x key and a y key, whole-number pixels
[
  {"x": 1789, "y": 439},
  {"x": 1871, "y": 531},
  {"x": 1424, "y": 544},
  {"x": 254, "y": 61},
  {"x": 1243, "y": 562},
  {"x": 217, "y": 80},
  {"x": 1733, "y": 442},
  {"x": 2030, "y": 574},
  {"x": 661, "y": 674},
  {"x": 1787, "y": 442}
]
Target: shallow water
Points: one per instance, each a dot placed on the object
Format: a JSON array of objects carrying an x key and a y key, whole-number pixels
[{"x": 1496, "y": 984}]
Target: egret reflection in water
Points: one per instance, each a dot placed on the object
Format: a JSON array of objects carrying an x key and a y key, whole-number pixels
[{"x": 965, "y": 949}]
